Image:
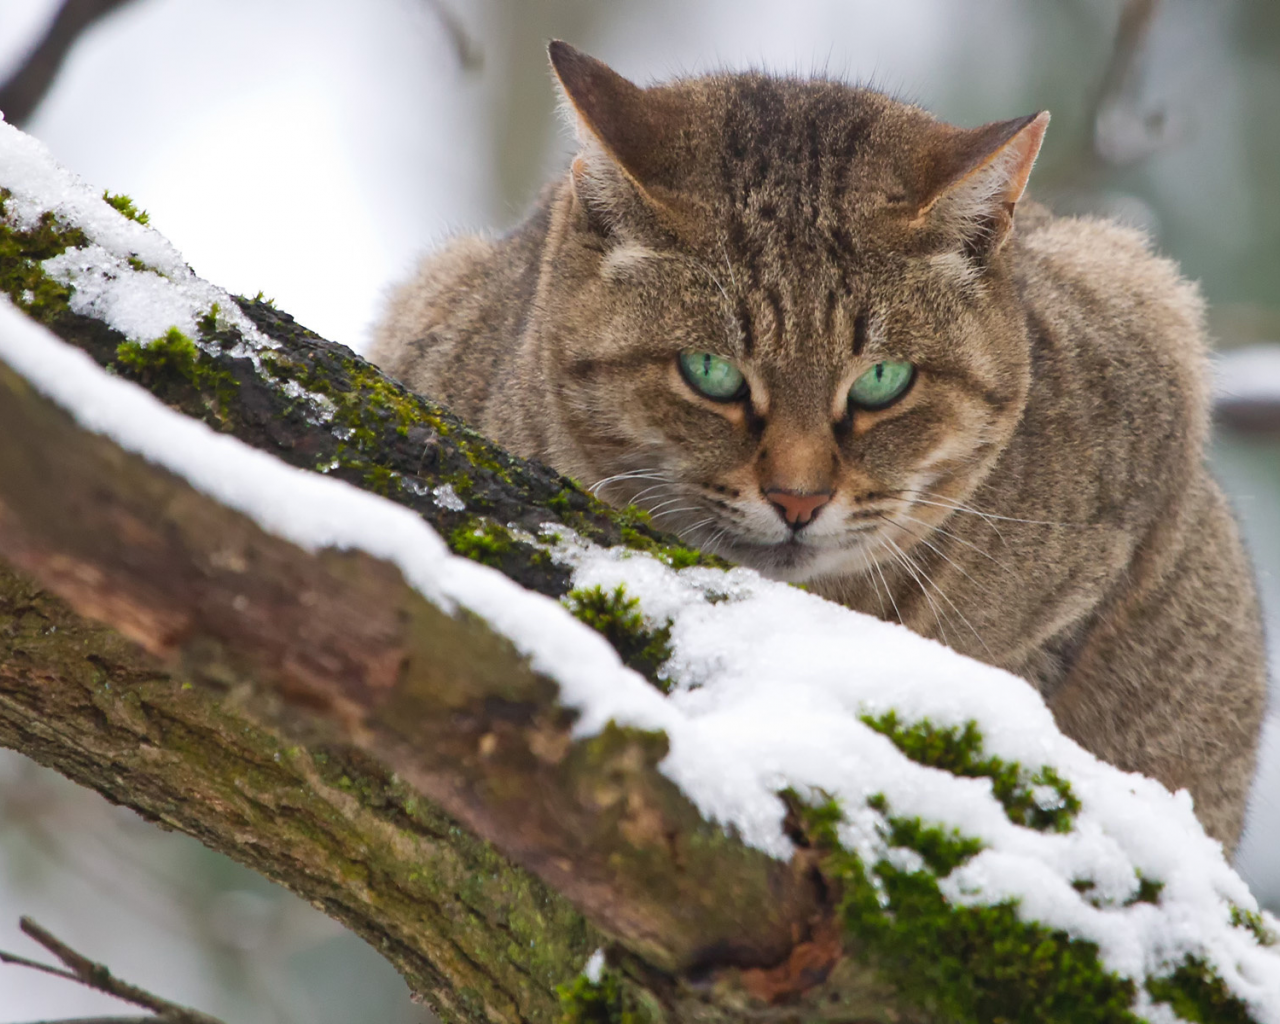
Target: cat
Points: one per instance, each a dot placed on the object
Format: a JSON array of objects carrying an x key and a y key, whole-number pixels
[{"x": 799, "y": 322}]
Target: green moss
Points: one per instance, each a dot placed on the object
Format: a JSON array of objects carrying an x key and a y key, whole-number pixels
[
  {"x": 208, "y": 323},
  {"x": 125, "y": 205},
  {"x": 174, "y": 359},
  {"x": 561, "y": 502},
  {"x": 972, "y": 964},
  {"x": 1196, "y": 994},
  {"x": 482, "y": 540},
  {"x": 379, "y": 479},
  {"x": 605, "y": 1002},
  {"x": 633, "y": 516},
  {"x": 966, "y": 964},
  {"x": 366, "y": 409},
  {"x": 22, "y": 277},
  {"x": 461, "y": 483},
  {"x": 672, "y": 554},
  {"x": 1253, "y": 922},
  {"x": 617, "y": 616},
  {"x": 960, "y": 752},
  {"x": 943, "y": 850},
  {"x": 1149, "y": 891}
]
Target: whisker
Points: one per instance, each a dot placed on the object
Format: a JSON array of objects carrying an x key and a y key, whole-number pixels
[
  {"x": 673, "y": 511},
  {"x": 650, "y": 473},
  {"x": 991, "y": 515},
  {"x": 667, "y": 501},
  {"x": 943, "y": 595},
  {"x": 907, "y": 564},
  {"x": 866, "y": 568},
  {"x": 887, "y": 589},
  {"x": 963, "y": 618},
  {"x": 952, "y": 508},
  {"x": 954, "y": 536},
  {"x": 636, "y": 498}
]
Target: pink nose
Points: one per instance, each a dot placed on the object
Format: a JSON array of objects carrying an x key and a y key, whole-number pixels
[{"x": 796, "y": 508}]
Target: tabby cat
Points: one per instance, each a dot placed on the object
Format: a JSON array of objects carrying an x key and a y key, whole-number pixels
[{"x": 796, "y": 321}]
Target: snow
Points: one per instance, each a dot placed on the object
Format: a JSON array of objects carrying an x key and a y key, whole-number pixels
[
  {"x": 447, "y": 498},
  {"x": 594, "y": 967},
  {"x": 141, "y": 305},
  {"x": 769, "y": 682}
]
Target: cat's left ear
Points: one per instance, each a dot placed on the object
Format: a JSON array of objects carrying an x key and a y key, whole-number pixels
[{"x": 974, "y": 178}]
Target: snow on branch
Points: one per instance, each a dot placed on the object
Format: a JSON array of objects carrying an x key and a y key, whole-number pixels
[{"x": 744, "y": 778}]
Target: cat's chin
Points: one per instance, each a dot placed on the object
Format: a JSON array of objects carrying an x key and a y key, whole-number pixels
[{"x": 794, "y": 562}]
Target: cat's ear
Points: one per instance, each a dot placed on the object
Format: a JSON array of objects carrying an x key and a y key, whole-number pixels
[
  {"x": 625, "y": 131},
  {"x": 974, "y": 178}
]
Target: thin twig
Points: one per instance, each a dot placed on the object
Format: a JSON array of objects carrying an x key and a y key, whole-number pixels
[
  {"x": 467, "y": 51},
  {"x": 149, "y": 1019},
  {"x": 1122, "y": 132},
  {"x": 22, "y": 92},
  {"x": 1113, "y": 108},
  {"x": 96, "y": 976}
]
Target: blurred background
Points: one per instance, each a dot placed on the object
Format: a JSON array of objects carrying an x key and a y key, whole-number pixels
[{"x": 310, "y": 149}]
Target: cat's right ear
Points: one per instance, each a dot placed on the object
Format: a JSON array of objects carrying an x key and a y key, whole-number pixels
[{"x": 625, "y": 133}]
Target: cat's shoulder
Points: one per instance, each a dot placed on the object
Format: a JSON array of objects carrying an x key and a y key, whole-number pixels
[
  {"x": 1111, "y": 267},
  {"x": 425, "y": 299}
]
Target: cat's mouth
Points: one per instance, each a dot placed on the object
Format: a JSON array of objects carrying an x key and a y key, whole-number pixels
[{"x": 799, "y": 557}]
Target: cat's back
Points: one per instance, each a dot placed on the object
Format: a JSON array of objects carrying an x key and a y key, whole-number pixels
[
  {"x": 1102, "y": 281},
  {"x": 450, "y": 330},
  {"x": 1118, "y": 344}
]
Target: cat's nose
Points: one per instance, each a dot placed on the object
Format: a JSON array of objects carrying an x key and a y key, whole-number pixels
[{"x": 797, "y": 508}]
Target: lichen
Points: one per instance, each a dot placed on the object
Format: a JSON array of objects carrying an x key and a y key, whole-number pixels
[
  {"x": 960, "y": 752},
  {"x": 617, "y": 616}
]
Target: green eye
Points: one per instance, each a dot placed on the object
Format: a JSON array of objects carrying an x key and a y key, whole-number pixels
[
  {"x": 712, "y": 376},
  {"x": 882, "y": 385}
]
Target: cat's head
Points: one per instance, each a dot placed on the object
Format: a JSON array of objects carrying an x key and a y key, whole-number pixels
[{"x": 782, "y": 316}]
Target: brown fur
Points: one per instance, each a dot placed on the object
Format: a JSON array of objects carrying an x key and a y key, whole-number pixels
[{"x": 1037, "y": 499}]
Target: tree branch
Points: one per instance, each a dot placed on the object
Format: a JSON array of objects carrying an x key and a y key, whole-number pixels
[
  {"x": 466, "y": 49},
  {"x": 349, "y": 653},
  {"x": 22, "y": 92},
  {"x": 98, "y": 977}
]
